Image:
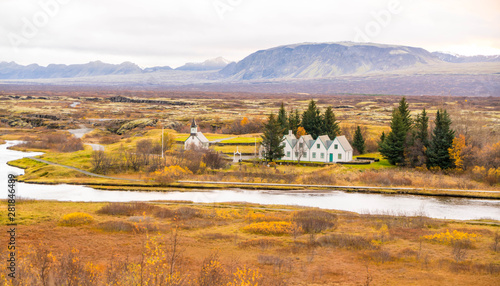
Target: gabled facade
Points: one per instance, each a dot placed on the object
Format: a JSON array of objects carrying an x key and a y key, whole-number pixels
[
  {"x": 305, "y": 149},
  {"x": 289, "y": 141},
  {"x": 196, "y": 139},
  {"x": 319, "y": 149},
  {"x": 339, "y": 150},
  {"x": 302, "y": 147}
]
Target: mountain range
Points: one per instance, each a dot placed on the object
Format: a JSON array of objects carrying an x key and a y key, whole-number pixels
[{"x": 342, "y": 67}]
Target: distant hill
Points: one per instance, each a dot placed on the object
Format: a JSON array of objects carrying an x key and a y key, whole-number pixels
[
  {"x": 319, "y": 60},
  {"x": 12, "y": 70},
  {"x": 327, "y": 68},
  {"x": 212, "y": 64},
  {"x": 465, "y": 59}
]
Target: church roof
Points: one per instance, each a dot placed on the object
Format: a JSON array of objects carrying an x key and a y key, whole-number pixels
[{"x": 193, "y": 124}]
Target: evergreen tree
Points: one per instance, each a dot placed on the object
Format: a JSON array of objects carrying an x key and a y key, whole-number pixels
[
  {"x": 330, "y": 125},
  {"x": 382, "y": 138},
  {"x": 392, "y": 147},
  {"x": 404, "y": 111},
  {"x": 441, "y": 141},
  {"x": 293, "y": 120},
  {"x": 311, "y": 120},
  {"x": 271, "y": 139},
  {"x": 359, "y": 142},
  {"x": 421, "y": 128},
  {"x": 282, "y": 118}
]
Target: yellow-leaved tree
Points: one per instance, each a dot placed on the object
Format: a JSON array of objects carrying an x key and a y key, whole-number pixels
[{"x": 456, "y": 151}]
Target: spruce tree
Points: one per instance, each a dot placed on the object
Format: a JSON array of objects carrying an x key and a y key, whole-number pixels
[
  {"x": 282, "y": 119},
  {"x": 271, "y": 139},
  {"x": 311, "y": 120},
  {"x": 421, "y": 128},
  {"x": 330, "y": 124},
  {"x": 404, "y": 111},
  {"x": 441, "y": 141},
  {"x": 392, "y": 148},
  {"x": 359, "y": 141},
  {"x": 293, "y": 120}
]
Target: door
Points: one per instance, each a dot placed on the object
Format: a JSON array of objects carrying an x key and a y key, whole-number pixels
[{"x": 331, "y": 157}]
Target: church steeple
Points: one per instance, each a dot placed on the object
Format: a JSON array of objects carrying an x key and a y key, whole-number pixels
[{"x": 194, "y": 128}]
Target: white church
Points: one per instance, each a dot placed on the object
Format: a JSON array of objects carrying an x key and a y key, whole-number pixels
[
  {"x": 306, "y": 149},
  {"x": 196, "y": 139}
]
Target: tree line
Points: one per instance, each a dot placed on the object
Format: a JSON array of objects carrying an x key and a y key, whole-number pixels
[
  {"x": 409, "y": 142},
  {"x": 311, "y": 122}
]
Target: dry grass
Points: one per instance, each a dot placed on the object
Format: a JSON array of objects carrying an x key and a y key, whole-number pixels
[{"x": 353, "y": 246}]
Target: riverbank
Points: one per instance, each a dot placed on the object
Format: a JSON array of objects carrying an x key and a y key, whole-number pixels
[{"x": 45, "y": 171}]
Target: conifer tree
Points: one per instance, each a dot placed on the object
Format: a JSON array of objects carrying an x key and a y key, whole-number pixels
[
  {"x": 330, "y": 125},
  {"x": 441, "y": 142},
  {"x": 282, "y": 118},
  {"x": 392, "y": 148},
  {"x": 404, "y": 111},
  {"x": 359, "y": 141},
  {"x": 421, "y": 128},
  {"x": 293, "y": 120},
  {"x": 271, "y": 139},
  {"x": 311, "y": 120}
]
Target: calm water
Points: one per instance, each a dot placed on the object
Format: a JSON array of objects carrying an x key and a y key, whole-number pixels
[{"x": 452, "y": 208}]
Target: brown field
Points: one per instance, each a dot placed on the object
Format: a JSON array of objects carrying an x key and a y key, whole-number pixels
[{"x": 354, "y": 250}]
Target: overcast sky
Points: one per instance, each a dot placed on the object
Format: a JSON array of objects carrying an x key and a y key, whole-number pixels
[{"x": 168, "y": 32}]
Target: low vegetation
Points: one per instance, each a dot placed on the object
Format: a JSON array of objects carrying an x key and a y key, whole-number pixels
[{"x": 233, "y": 244}]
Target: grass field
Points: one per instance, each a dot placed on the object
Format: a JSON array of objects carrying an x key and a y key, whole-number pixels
[{"x": 350, "y": 250}]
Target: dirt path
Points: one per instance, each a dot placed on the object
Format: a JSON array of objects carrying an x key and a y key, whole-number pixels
[{"x": 82, "y": 171}]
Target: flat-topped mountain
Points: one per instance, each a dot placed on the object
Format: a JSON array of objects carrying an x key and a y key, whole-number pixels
[{"x": 319, "y": 60}]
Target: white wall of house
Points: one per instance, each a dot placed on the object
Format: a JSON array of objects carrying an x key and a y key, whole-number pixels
[
  {"x": 301, "y": 150},
  {"x": 288, "y": 151},
  {"x": 318, "y": 152},
  {"x": 338, "y": 152}
]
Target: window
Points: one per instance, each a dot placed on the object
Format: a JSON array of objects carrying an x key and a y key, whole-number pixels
[
  {"x": 288, "y": 153},
  {"x": 322, "y": 155},
  {"x": 336, "y": 146},
  {"x": 304, "y": 154},
  {"x": 314, "y": 155},
  {"x": 301, "y": 145},
  {"x": 340, "y": 156},
  {"x": 296, "y": 154},
  {"x": 317, "y": 146}
]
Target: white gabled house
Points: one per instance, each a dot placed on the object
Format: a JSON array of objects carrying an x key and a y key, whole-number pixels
[
  {"x": 340, "y": 150},
  {"x": 319, "y": 149},
  {"x": 302, "y": 148},
  {"x": 306, "y": 149},
  {"x": 289, "y": 141},
  {"x": 196, "y": 139}
]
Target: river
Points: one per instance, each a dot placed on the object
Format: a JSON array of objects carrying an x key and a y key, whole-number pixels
[{"x": 436, "y": 207}]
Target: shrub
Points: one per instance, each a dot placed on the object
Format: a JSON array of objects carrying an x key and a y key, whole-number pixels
[
  {"x": 182, "y": 213},
  {"x": 126, "y": 209},
  {"x": 76, "y": 219},
  {"x": 346, "y": 241},
  {"x": 451, "y": 237},
  {"x": 270, "y": 228},
  {"x": 314, "y": 221},
  {"x": 170, "y": 174}
]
